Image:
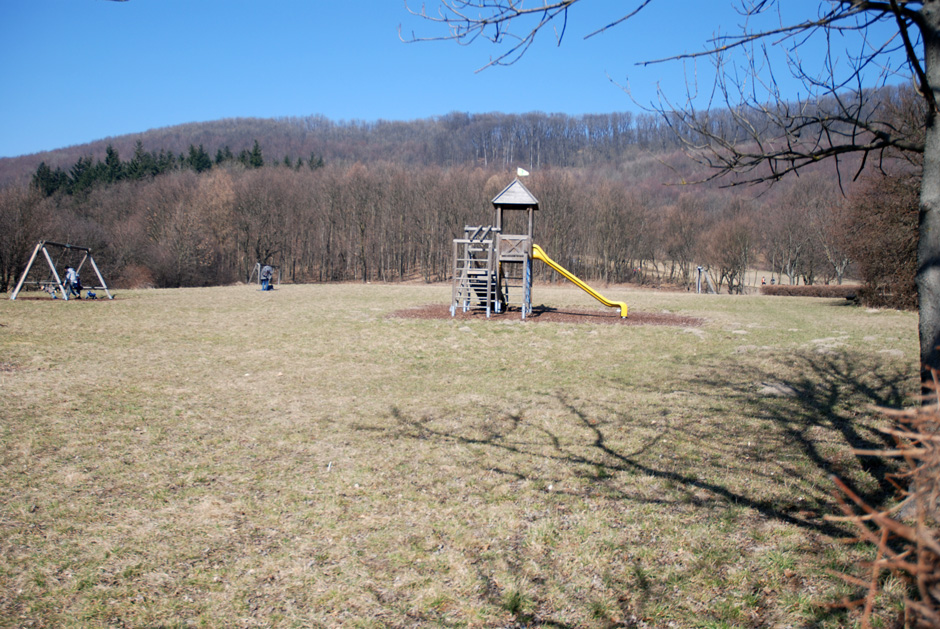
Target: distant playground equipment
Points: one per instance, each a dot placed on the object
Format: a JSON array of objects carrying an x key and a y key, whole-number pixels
[
  {"x": 54, "y": 283},
  {"x": 493, "y": 270},
  {"x": 700, "y": 273}
]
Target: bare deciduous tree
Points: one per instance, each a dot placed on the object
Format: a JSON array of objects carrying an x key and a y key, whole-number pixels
[
  {"x": 882, "y": 228},
  {"x": 683, "y": 227},
  {"x": 731, "y": 244},
  {"x": 21, "y": 224}
]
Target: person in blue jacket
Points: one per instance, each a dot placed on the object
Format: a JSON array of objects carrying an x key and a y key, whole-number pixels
[{"x": 266, "y": 273}]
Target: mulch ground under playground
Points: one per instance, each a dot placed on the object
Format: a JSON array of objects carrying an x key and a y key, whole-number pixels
[{"x": 546, "y": 314}]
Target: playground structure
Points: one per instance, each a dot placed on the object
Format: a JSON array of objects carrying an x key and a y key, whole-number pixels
[
  {"x": 493, "y": 271},
  {"x": 701, "y": 272},
  {"x": 53, "y": 283}
]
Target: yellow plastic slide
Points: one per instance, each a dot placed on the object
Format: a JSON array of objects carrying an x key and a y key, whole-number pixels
[{"x": 539, "y": 254}]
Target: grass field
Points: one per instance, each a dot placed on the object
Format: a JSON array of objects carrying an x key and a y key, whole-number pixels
[{"x": 299, "y": 458}]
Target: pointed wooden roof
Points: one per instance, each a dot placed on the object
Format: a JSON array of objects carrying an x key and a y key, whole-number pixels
[{"x": 515, "y": 196}]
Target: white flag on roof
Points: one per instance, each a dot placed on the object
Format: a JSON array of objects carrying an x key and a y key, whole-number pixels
[{"x": 522, "y": 172}]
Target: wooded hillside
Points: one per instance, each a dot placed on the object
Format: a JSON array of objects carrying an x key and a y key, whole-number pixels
[
  {"x": 200, "y": 204},
  {"x": 534, "y": 140}
]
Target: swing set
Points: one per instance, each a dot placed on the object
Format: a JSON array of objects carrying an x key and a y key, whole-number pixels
[{"x": 54, "y": 284}]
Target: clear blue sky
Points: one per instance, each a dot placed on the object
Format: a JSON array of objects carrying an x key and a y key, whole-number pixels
[{"x": 75, "y": 71}]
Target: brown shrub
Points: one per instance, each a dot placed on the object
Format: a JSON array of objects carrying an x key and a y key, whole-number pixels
[
  {"x": 882, "y": 238},
  {"x": 907, "y": 540},
  {"x": 837, "y": 291},
  {"x": 135, "y": 276}
]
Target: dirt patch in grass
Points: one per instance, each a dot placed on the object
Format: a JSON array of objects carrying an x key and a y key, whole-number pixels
[{"x": 554, "y": 315}]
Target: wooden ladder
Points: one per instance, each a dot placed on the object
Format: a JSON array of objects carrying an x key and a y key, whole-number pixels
[{"x": 475, "y": 284}]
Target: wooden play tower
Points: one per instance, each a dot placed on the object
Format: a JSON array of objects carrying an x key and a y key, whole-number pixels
[{"x": 493, "y": 270}]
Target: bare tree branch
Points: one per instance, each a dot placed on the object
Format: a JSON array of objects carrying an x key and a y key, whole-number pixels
[{"x": 493, "y": 24}]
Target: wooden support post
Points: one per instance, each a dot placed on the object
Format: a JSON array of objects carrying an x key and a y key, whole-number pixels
[
  {"x": 55, "y": 274},
  {"x": 100, "y": 279},
  {"x": 29, "y": 265},
  {"x": 489, "y": 281},
  {"x": 527, "y": 287},
  {"x": 456, "y": 280},
  {"x": 78, "y": 269}
]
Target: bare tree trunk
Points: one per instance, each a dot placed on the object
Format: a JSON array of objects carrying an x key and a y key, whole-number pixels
[
  {"x": 928, "y": 244},
  {"x": 928, "y": 254}
]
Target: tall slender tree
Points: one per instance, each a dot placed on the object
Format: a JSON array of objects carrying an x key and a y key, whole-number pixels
[
  {"x": 255, "y": 158},
  {"x": 113, "y": 166},
  {"x": 142, "y": 164}
]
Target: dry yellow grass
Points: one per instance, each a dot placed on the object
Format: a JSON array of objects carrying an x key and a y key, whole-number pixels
[{"x": 226, "y": 457}]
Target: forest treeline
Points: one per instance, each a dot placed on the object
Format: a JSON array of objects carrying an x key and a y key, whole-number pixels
[
  {"x": 534, "y": 140},
  {"x": 383, "y": 201},
  {"x": 388, "y": 222}
]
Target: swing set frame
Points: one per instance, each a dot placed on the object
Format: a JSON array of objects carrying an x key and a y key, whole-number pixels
[{"x": 56, "y": 283}]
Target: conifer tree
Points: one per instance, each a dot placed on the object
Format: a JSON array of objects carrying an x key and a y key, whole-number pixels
[
  {"x": 82, "y": 176},
  {"x": 244, "y": 157},
  {"x": 166, "y": 161},
  {"x": 113, "y": 166},
  {"x": 49, "y": 181},
  {"x": 142, "y": 164},
  {"x": 223, "y": 155},
  {"x": 198, "y": 159},
  {"x": 255, "y": 159}
]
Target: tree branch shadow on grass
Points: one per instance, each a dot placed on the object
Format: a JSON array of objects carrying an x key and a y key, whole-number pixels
[
  {"x": 834, "y": 392},
  {"x": 831, "y": 392},
  {"x": 796, "y": 436}
]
